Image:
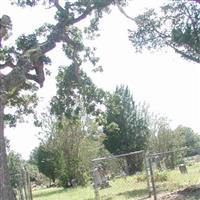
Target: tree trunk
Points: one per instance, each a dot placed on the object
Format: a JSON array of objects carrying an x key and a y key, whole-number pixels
[{"x": 6, "y": 192}]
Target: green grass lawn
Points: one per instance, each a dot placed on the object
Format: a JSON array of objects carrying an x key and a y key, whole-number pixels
[
  {"x": 119, "y": 189},
  {"x": 124, "y": 188},
  {"x": 177, "y": 181},
  {"x": 82, "y": 193}
]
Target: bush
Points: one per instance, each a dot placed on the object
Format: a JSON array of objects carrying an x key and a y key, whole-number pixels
[
  {"x": 141, "y": 178},
  {"x": 160, "y": 176}
]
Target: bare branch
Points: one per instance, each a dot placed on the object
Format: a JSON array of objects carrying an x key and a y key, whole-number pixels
[
  {"x": 58, "y": 6},
  {"x": 122, "y": 10},
  {"x": 184, "y": 55}
]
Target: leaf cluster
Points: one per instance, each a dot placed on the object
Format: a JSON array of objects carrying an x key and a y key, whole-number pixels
[
  {"x": 76, "y": 92},
  {"x": 175, "y": 25}
]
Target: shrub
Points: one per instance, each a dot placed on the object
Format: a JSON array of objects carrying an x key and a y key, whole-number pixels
[
  {"x": 160, "y": 176},
  {"x": 141, "y": 177}
]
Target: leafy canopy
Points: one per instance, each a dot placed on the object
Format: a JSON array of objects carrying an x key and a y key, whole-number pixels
[
  {"x": 27, "y": 58},
  {"x": 126, "y": 127},
  {"x": 175, "y": 25}
]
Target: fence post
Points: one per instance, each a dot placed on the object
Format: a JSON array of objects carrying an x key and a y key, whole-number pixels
[
  {"x": 29, "y": 185},
  {"x": 147, "y": 173},
  {"x": 20, "y": 188},
  {"x": 24, "y": 183},
  {"x": 96, "y": 190},
  {"x": 152, "y": 178}
]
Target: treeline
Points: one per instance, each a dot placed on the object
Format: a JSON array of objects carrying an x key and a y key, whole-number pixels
[{"x": 84, "y": 122}]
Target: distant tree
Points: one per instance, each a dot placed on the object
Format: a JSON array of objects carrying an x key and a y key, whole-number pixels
[
  {"x": 190, "y": 139},
  {"x": 165, "y": 140},
  {"x": 66, "y": 153},
  {"x": 175, "y": 25},
  {"x": 76, "y": 109},
  {"x": 34, "y": 174},
  {"x": 126, "y": 129},
  {"x": 76, "y": 95},
  {"x": 15, "y": 165},
  {"x": 49, "y": 162},
  {"x": 33, "y": 156}
]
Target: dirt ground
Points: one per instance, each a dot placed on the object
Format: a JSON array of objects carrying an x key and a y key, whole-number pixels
[{"x": 190, "y": 193}]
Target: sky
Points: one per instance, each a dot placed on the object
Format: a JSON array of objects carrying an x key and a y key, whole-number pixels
[{"x": 169, "y": 84}]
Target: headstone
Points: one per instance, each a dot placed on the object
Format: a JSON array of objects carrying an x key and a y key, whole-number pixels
[
  {"x": 183, "y": 168},
  {"x": 101, "y": 179},
  {"x": 158, "y": 163},
  {"x": 97, "y": 177}
]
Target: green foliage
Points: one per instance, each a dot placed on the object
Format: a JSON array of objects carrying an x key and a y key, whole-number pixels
[
  {"x": 26, "y": 42},
  {"x": 35, "y": 176},
  {"x": 25, "y": 65},
  {"x": 49, "y": 162},
  {"x": 23, "y": 3},
  {"x": 15, "y": 165},
  {"x": 125, "y": 129},
  {"x": 21, "y": 103},
  {"x": 77, "y": 149},
  {"x": 67, "y": 148},
  {"x": 190, "y": 139},
  {"x": 175, "y": 24},
  {"x": 141, "y": 177},
  {"x": 160, "y": 176},
  {"x": 163, "y": 138},
  {"x": 76, "y": 93}
]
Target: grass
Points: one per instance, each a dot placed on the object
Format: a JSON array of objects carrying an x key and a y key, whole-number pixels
[
  {"x": 177, "y": 181},
  {"x": 119, "y": 189},
  {"x": 82, "y": 193},
  {"x": 124, "y": 188}
]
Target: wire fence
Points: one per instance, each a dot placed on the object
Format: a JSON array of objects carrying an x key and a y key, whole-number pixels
[
  {"x": 121, "y": 177},
  {"x": 139, "y": 175},
  {"x": 175, "y": 170}
]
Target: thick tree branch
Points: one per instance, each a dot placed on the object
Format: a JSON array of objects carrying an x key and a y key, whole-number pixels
[
  {"x": 122, "y": 10},
  {"x": 185, "y": 55},
  {"x": 59, "y": 30},
  {"x": 7, "y": 64},
  {"x": 21, "y": 72},
  {"x": 81, "y": 17},
  {"x": 58, "y": 6},
  {"x": 77, "y": 46},
  {"x": 31, "y": 77}
]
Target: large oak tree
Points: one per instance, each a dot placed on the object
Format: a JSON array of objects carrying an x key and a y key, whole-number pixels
[{"x": 27, "y": 57}]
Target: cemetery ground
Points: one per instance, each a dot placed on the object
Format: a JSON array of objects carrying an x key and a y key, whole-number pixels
[{"x": 176, "y": 186}]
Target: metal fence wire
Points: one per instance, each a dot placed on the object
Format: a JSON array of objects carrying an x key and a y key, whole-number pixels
[
  {"x": 121, "y": 177},
  {"x": 174, "y": 171},
  {"x": 140, "y": 175}
]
